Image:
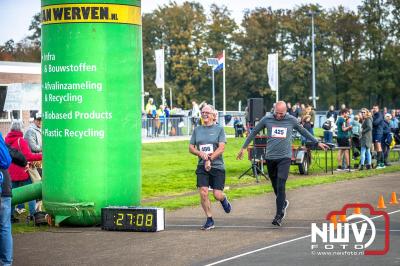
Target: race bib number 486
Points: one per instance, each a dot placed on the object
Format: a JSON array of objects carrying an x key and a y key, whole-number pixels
[
  {"x": 279, "y": 132},
  {"x": 207, "y": 148}
]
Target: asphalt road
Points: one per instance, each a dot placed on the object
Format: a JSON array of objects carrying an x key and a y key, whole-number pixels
[{"x": 247, "y": 229}]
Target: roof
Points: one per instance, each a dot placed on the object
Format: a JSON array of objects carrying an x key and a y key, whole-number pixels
[{"x": 20, "y": 67}]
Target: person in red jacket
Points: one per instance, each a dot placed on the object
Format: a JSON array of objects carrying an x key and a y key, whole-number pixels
[{"x": 19, "y": 175}]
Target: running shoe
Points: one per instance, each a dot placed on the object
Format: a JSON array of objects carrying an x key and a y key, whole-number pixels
[
  {"x": 208, "y": 225},
  {"x": 285, "y": 206},
  {"x": 278, "y": 220},
  {"x": 380, "y": 166},
  {"x": 226, "y": 205}
]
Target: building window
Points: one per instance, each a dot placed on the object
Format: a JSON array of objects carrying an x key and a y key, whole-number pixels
[
  {"x": 4, "y": 115},
  {"x": 7, "y": 115}
]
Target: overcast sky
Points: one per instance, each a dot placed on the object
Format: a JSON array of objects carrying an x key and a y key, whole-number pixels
[{"x": 15, "y": 15}]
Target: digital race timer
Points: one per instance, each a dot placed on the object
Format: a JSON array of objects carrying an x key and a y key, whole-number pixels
[{"x": 136, "y": 219}]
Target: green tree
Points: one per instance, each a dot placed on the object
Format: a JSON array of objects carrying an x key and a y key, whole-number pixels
[
  {"x": 374, "y": 14},
  {"x": 36, "y": 29},
  {"x": 181, "y": 32}
]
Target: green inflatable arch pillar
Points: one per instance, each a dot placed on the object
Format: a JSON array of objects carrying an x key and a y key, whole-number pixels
[{"x": 91, "y": 99}]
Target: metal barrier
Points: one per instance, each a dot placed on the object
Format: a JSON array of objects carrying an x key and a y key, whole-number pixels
[
  {"x": 178, "y": 125},
  {"x": 171, "y": 126}
]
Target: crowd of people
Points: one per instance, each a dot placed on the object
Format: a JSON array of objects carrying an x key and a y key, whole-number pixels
[
  {"x": 368, "y": 134},
  {"x": 166, "y": 121},
  {"x": 30, "y": 146}
]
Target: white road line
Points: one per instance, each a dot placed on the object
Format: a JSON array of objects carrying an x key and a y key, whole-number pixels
[
  {"x": 261, "y": 227},
  {"x": 276, "y": 245},
  {"x": 240, "y": 226}
]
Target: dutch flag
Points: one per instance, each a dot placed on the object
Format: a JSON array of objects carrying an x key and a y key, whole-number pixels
[{"x": 221, "y": 61}]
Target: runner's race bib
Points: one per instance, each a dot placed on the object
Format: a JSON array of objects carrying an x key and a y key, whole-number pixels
[
  {"x": 279, "y": 132},
  {"x": 207, "y": 148}
]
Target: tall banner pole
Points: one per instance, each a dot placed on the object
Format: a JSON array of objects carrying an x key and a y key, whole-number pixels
[
  {"x": 141, "y": 38},
  {"x": 163, "y": 85},
  {"x": 170, "y": 97},
  {"x": 213, "y": 87},
  {"x": 277, "y": 76},
  {"x": 160, "y": 83},
  {"x": 223, "y": 83}
]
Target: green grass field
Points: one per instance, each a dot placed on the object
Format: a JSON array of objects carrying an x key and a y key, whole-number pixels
[{"x": 168, "y": 169}]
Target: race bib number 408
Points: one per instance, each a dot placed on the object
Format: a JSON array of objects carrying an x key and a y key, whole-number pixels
[
  {"x": 207, "y": 148},
  {"x": 279, "y": 132}
]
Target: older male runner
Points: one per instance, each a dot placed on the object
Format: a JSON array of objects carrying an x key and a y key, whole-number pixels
[
  {"x": 278, "y": 155},
  {"x": 208, "y": 143}
]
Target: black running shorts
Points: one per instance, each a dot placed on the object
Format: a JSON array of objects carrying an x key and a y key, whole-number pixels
[{"x": 215, "y": 178}]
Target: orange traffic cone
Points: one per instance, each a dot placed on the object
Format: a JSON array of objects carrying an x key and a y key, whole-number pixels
[
  {"x": 334, "y": 220},
  {"x": 342, "y": 218},
  {"x": 357, "y": 210},
  {"x": 381, "y": 202},
  {"x": 393, "y": 199}
]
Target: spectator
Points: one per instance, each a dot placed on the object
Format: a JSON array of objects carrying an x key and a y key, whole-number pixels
[
  {"x": 355, "y": 137},
  {"x": 361, "y": 117},
  {"x": 386, "y": 139},
  {"x": 309, "y": 111},
  {"x": 329, "y": 128},
  {"x": 306, "y": 122},
  {"x": 366, "y": 139},
  {"x": 34, "y": 134},
  {"x": 238, "y": 126},
  {"x": 377, "y": 135},
  {"x": 160, "y": 118},
  {"x": 351, "y": 115},
  {"x": 150, "y": 114},
  {"x": 295, "y": 111},
  {"x": 298, "y": 110},
  {"x": 6, "y": 241},
  {"x": 195, "y": 114},
  {"x": 343, "y": 139},
  {"x": 331, "y": 113},
  {"x": 167, "y": 113},
  {"x": 289, "y": 107},
  {"x": 394, "y": 122},
  {"x": 302, "y": 111},
  {"x": 385, "y": 110},
  {"x": 19, "y": 176},
  {"x": 34, "y": 138}
]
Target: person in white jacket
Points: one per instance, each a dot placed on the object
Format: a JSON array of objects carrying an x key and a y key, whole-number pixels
[{"x": 34, "y": 134}]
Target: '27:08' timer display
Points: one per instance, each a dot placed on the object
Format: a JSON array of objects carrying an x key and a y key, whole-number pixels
[{"x": 137, "y": 219}]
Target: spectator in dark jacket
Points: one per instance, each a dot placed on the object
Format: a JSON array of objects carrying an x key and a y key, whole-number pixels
[
  {"x": 386, "y": 138},
  {"x": 295, "y": 111},
  {"x": 377, "y": 135},
  {"x": 331, "y": 112}
]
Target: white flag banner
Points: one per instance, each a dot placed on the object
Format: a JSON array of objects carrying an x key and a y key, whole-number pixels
[
  {"x": 160, "y": 68},
  {"x": 273, "y": 71}
]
